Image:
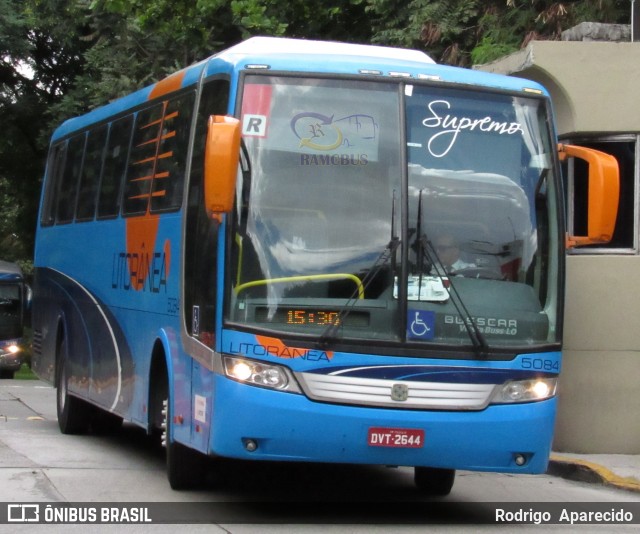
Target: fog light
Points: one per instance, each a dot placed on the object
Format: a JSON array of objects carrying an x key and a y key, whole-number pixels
[
  {"x": 250, "y": 445},
  {"x": 520, "y": 459}
]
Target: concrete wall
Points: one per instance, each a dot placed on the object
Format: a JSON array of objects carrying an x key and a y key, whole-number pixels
[
  {"x": 594, "y": 86},
  {"x": 599, "y": 393}
]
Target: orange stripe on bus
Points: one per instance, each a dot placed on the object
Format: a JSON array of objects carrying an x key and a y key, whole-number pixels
[
  {"x": 142, "y": 161},
  {"x": 142, "y": 178},
  {"x": 168, "y": 85}
]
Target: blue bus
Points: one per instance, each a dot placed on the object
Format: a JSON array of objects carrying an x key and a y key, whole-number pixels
[
  {"x": 15, "y": 296},
  {"x": 313, "y": 252}
]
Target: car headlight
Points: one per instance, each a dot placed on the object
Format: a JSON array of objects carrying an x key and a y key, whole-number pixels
[
  {"x": 534, "y": 389},
  {"x": 260, "y": 374}
]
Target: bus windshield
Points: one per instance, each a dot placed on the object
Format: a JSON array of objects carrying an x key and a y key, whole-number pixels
[{"x": 336, "y": 173}]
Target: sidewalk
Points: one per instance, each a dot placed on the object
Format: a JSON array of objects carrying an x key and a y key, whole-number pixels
[{"x": 620, "y": 471}]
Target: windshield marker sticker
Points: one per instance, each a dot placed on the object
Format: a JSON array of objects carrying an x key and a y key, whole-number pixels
[
  {"x": 421, "y": 324},
  {"x": 256, "y": 107},
  {"x": 254, "y": 125}
]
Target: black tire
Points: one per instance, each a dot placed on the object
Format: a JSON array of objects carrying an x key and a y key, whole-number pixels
[
  {"x": 434, "y": 481},
  {"x": 6, "y": 374},
  {"x": 74, "y": 414},
  {"x": 186, "y": 468}
]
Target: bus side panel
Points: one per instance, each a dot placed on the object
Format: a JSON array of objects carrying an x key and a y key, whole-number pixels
[
  {"x": 45, "y": 318},
  {"x": 202, "y": 381},
  {"x": 101, "y": 365}
]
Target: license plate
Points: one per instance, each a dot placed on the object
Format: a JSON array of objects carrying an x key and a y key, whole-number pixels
[{"x": 412, "y": 438}]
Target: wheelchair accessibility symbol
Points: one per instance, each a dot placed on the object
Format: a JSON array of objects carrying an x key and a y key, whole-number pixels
[{"x": 421, "y": 324}]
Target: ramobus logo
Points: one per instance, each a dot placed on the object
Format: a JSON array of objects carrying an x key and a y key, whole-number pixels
[{"x": 320, "y": 160}]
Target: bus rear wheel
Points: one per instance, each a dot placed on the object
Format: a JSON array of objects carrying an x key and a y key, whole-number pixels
[
  {"x": 74, "y": 414},
  {"x": 434, "y": 481}
]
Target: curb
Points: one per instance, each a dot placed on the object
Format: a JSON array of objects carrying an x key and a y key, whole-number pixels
[{"x": 584, "y": 471}]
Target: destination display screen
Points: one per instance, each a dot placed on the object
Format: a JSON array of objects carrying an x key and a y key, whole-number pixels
[{"x": 311, "y": 317}]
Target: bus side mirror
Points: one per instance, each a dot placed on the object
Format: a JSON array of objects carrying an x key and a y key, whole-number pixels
[
  {"x": 603, "y": 191},
  {"x": 221, "y": 164}
]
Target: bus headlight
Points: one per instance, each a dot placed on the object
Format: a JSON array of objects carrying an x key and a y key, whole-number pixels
[
  {"x": 10, "y": 349},
  {"x": 259, "y": 374},
  {"x": 535, "y": 389}
]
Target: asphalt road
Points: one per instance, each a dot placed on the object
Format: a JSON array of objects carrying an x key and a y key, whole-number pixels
[{"x": 38, "y": 464}]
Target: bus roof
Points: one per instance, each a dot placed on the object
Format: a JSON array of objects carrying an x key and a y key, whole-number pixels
[
  {"x": 9, "y": 272},
  {"x": 260, "y": 46},
  {"x": 301, "y": 55}
]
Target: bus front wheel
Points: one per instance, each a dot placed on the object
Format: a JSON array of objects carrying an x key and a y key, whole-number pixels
[
  {"x": 434, "y": 481},
  {"x": 186, "y": 468}
]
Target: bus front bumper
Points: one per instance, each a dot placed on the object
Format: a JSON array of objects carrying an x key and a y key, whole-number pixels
[{"x": 290, "y": 427}]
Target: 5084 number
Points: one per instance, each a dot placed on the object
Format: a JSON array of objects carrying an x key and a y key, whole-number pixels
[{"x": 541, "y": 364}]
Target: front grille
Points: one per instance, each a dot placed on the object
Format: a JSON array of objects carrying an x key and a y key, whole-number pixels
[{"x": 377, "y": 392}]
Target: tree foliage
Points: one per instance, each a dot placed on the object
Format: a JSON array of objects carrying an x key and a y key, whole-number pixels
[{"x": 59, "y": 58}]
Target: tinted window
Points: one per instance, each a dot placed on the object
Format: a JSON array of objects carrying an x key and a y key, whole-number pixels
[
  {"x": 114, "y": 167},
  {"x": 55, "y": 168},
  {"x": 69, "y": 183},
  {"x": 168, "y": 179},
  {"x": 146, "y": 138},
  {"x": 89, "y": 180}
]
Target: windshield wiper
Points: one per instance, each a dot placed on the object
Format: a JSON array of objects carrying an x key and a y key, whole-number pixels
[
  {"x": 425, "y": 248},
  {"x": 329, "y": 334},
  {"x": 386, "y": 256}
]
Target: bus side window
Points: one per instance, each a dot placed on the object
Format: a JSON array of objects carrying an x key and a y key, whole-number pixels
[
  {"x": 115, "y": 164},
  {"x": 90, "y": 178},
  {"x": 168, "y": 181},
  {"x": 55, "y": 168},
  {"x": 69, "y": 184},
  {"x": 142, "y": 162}
]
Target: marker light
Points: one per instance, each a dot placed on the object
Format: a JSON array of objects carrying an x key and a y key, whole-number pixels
[
  {"x": 535, "y": 389},
  {"x": 258, "y": 374}
]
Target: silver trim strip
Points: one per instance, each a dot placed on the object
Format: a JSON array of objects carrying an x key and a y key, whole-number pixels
[{"x": 377, "y": 392}]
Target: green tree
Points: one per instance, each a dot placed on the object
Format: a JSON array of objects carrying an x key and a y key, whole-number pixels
[{"x": 464, "y": 32}]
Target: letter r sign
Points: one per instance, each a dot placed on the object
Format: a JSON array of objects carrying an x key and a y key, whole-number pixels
[{"x": 254, "y": 125}]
